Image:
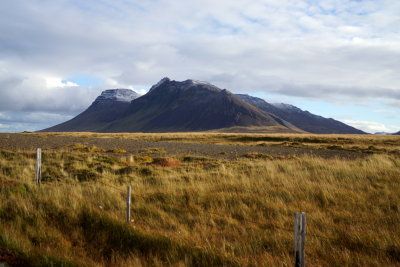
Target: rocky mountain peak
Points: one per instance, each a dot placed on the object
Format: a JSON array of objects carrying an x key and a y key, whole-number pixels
[
  {"x": 161, "y": 82},
  {"x": 196, "y": 82},
  {"x": 121, "y": 95},
  {"x": 173, "y": 85}
]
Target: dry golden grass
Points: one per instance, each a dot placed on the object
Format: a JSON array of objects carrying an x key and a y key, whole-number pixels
[
  {"x": 371, "y": 144},
  {"x": 243, "y": 138},
  {"x": 202, "y": 211}
]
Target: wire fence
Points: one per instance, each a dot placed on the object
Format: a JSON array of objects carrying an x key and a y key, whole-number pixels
[{"x": 258, "y": 223}]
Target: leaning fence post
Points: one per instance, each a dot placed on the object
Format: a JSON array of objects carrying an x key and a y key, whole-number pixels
[
  {"x": 299, "y": 239},
  {"x": 38, "y": 165},
  {"x": 128, "y": 205}
]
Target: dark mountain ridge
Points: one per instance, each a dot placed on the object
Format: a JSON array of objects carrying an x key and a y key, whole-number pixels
[{"x": 302, "y": 119}]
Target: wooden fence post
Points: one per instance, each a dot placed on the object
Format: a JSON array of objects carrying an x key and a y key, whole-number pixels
[
  {"x": 38, "y": 165},
  {"x": 303, "y": 238},
  {"x": 299, "y": 239},
  {"x": 128, "y": 205}
]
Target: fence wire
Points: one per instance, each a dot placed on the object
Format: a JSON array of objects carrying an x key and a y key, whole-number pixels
[{"x": 270, "y": 226}]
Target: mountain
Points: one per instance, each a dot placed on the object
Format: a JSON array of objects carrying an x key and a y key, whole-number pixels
[
  {"x": 109, "y": 106},
  {"x": 171, "y": 106},
  {"x": 189, "y": 106},
  {"x": 398, "y": 133},
  {"x": 302, "y": 119},
  {"x": 381, "y": 133}
]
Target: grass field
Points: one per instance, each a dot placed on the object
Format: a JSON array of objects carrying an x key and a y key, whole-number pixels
[
  {"x": 363, "y": 143},
  {"x": 192, "y": 210}
]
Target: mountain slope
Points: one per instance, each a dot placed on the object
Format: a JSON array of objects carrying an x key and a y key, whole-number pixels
[
  {"x": 302, "y": 119},
  {"x": 109, "y": 106},
  {"x": 189, "y": 106}
]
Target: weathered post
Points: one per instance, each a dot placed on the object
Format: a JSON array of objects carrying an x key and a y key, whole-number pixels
[
  {"x": 38, "y": 165},
  {"x": 303, "y": 238},
  {"x": 299, "y": 239},
  {"x": 296, "y": 240},
  {"x": 128, "y": 205}
]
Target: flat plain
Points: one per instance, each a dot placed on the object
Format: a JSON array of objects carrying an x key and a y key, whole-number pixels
[{"x": 199, "y": 199}]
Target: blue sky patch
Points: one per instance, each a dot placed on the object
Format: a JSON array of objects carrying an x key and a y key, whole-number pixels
[{"x": 85, "y": 80}]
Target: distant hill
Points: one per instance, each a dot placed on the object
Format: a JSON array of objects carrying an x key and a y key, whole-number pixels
[
  {"x": 172, "y": 106},
  {"x": 398, "y": 133},
  {"x": 302, "y": 119},
  {"x": 381, "y": 133}
]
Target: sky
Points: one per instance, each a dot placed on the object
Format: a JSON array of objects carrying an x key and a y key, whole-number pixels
[{"x": 335, "y": 58}]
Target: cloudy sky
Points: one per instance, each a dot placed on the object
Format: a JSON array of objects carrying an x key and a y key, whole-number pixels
[{"x": 335, "y": 58}]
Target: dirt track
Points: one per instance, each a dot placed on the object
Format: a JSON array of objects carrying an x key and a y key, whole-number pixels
[{"x": 31, "y": 142}]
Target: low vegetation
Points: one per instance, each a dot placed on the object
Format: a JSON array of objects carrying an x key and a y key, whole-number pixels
[
  {"x": 190, "y": 210},
  {"x": 363, "y": 143}
]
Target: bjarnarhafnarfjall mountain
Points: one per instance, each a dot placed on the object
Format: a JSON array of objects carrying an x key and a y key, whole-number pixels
[{"x": 172, "y": 106}]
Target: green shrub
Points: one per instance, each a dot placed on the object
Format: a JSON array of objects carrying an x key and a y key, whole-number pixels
[
  {"x": 51, "y": 174},
  {"x": 145, "y": 171},
  {"x": 154, "y": 151},
  {"x": 126, "y": 170},
  {"x": 84, "y": 175},
  {"x": 194, "y": 158},
  {"x": 7, "y": 171}
]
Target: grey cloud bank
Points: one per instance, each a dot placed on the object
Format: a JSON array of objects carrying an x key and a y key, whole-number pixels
[{"x": 343, "y": 51}]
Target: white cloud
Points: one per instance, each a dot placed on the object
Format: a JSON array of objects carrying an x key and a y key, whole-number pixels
[
  {"x": 17, "y": 121},
  {"x": 141, "y": 91},
  {"x": 52, "y": 82},
  {"x": 393, "y": 103},
  {"x": 336, "y": 50},
  {"x": 385, "y": 111},
  {"x": 34, "y": 92},
  {"x": 297, "y": 41},
  {"x": 372, "y": 127}
]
